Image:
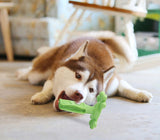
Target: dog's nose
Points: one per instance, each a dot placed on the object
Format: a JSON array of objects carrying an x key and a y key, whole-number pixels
[{"x": 77, "y": 96}]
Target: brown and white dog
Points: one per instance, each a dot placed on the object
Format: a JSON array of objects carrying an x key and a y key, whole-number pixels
[{"x": 78, "y": 71}]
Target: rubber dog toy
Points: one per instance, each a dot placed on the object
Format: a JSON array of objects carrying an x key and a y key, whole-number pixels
[{"x": 95, "y": 111}]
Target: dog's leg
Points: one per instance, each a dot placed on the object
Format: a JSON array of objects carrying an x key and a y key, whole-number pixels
[
  {"x": 127, "y": 91},
  {"x": 45, "y": 95},
  {"x": 22, "y": 74},
  {"x": 35, "y": 77}
]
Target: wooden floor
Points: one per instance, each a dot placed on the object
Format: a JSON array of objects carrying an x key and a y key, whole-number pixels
[{"x": 122, "y": 118}]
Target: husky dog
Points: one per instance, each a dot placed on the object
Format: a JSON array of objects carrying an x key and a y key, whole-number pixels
[{"x": 78, "y": 71}]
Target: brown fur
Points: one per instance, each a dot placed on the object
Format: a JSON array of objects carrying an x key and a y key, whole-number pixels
[
  {"x": 117, "y": 44},
  {"x": 56, "y": 57}
]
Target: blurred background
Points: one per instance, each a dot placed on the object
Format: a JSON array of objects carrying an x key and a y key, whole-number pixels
[{"x": 37, "y": 23}]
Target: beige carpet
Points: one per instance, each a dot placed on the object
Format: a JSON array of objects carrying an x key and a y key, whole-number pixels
[{"x": 121, "y": 120}]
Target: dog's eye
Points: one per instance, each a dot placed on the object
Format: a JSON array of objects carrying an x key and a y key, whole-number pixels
[
  {"x": 78, "y": 76},
  {"x": 91, "y": 90}
]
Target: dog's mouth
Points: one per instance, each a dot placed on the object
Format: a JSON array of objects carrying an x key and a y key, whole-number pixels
[{"x": 61, "y": 96}]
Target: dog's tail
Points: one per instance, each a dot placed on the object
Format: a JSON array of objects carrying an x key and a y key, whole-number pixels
[{"x": 125, "y": 56}]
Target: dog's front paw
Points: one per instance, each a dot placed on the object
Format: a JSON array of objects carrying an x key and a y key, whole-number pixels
[
  {"x": 144, "y": 96},
  {"x": 39, "y": 98}
]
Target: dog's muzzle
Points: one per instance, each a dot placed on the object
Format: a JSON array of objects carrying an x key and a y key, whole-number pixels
[{"x": 76, "y": 96}]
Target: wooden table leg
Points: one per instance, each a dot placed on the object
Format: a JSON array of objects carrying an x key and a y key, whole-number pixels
[{"x": 6, "y": 33}]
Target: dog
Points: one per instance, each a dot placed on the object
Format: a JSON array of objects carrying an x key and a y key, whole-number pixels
[{"x": 78, "y": 71}]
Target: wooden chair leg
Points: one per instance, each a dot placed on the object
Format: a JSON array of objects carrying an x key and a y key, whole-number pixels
[
  {"x": 130, "y": 36},
  {"x": 63, "y": 31},
  {"x": 6, "y": 33},
  {"x": 78, "y": 21}
]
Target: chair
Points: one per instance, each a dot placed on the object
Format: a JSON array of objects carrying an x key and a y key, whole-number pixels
[
  {"x": 4, "y": 7},
  {"x": 126, "y": 12}
]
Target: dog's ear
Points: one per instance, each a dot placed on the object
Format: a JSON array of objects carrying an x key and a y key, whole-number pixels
[
  {"x": 82, "y": 51},
  {"x": 108, "y": 74}
]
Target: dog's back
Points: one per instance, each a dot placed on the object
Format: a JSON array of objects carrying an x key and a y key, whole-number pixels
[{"x": 53, "y": 58}]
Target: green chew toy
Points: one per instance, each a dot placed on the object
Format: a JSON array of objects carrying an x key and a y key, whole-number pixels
[{"x": 82, "y": 108}]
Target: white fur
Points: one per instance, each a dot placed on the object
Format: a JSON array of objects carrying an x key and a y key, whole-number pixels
[
  {"x": 22, "y": 74},
  {"x": 107, "y": 76},
  {"x": 33, "y": 77},
  {"x": 113, "y": 87},
  {"x": 126, "y": 90},
  {"x": 36, "y": 77},
  {"x": 91, "y": 97},
  {"x": 45, "y": 95},
  {"x": 64, "y": 79}
]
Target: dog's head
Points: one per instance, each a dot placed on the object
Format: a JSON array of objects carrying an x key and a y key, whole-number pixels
[{"x": 81, "y": 78}]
